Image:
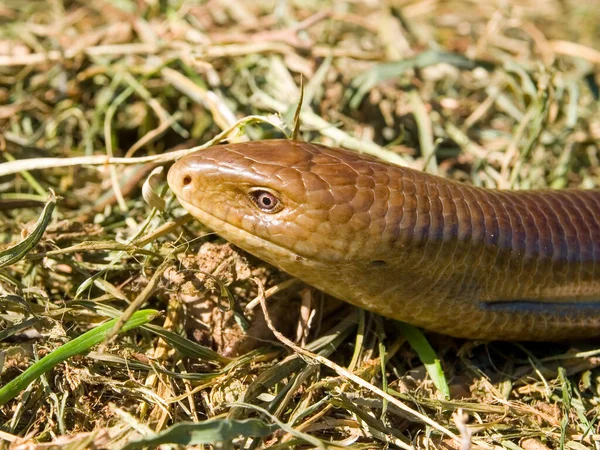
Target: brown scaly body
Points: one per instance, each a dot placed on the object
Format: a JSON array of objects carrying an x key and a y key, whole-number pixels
[{"x": 453, "y": 258}]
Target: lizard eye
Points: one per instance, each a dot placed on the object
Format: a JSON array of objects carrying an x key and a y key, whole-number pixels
[{"x": 265, "y": 200}]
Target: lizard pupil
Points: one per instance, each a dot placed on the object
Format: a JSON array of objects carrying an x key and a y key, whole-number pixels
[{"x": 264, "y": 200}]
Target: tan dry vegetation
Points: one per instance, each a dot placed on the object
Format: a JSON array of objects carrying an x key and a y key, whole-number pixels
[{"x": 499, "y": 93}]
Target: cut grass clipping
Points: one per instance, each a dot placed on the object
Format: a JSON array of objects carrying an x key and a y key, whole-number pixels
[
  {"x": 13, "y": 254},
  {"x": 427, "y": 355},
  {"x": 206, "y": 432},
  {"x": 77, "y": 346}
]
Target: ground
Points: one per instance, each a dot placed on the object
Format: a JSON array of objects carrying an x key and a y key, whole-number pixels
[{"x": 497, "y": 94}]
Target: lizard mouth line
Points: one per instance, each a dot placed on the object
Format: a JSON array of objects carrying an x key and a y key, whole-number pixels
[{"x": 256, "y": 245}]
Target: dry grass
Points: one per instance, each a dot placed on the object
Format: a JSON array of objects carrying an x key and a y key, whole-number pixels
[{"x": 499, "y": 93}]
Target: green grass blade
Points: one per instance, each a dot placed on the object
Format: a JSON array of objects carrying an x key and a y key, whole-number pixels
[
  {"x": 187, "y": 347},
  {"x": 13, "y": 254},
  {"x": 419, "y": 343},
  {"x": 80, "y": 344},
  {"x": 208, "y": 432}
]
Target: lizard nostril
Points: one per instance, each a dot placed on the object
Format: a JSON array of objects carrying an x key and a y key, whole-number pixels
[{"x": 187, "y": 180}]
